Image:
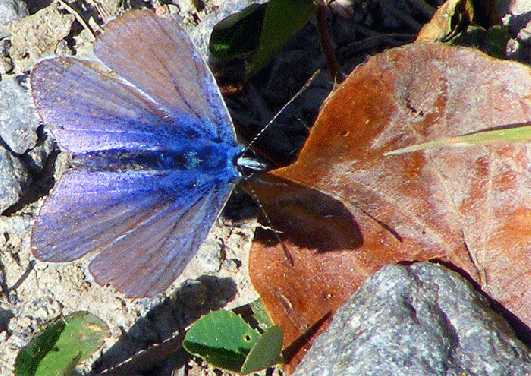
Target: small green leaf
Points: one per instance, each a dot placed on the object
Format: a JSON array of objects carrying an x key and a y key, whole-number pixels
[
  {"x": 283, "y": 19},
  {"x": 496, "y": 40},
  {"x": 238, "y": 34},
  {"x": 60, "y": 346},
  {"x": 31, "y": 355},
  {"x": 266, "y": 351},
  {"x": 517, "y": 134},
  {"x": 222, "y": 338}
]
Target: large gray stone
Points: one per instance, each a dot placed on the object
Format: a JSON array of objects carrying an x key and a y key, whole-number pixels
[{"x": 417, "y": 320}]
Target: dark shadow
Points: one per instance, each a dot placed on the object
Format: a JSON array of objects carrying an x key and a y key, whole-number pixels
[
  {"x": 41, "y": 179},
  {"x": 5, "y": 316},
  {"x": 10, "y": 292},
  {"x": 240, "y": 207},
  {"x": 35, "y": 5},
  {"x": 521, "y": 330},
  {"x": 152, "y": 346},
  {"x": 22, "y": 278},
  {"x": 305, "y": 217},
  {"x": 4, "y": 288},
  {"x": 294, "y": 348}
]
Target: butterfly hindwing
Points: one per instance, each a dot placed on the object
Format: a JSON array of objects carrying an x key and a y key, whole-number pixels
[
  {"x": 157, "y": 251},
  {"x": 144, "y": 226}
]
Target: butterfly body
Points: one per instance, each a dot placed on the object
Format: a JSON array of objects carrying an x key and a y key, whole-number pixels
[
  {"x": 214, "y": 159},
  {"x": 154, "y": 154}
]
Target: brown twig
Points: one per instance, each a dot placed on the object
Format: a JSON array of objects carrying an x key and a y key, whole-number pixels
[
  {"x": 328, "y": 50},
  {"x": 78, "y": 17}
]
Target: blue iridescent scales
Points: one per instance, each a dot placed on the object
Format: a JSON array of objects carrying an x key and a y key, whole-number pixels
[{"x": 154, "y": 154}]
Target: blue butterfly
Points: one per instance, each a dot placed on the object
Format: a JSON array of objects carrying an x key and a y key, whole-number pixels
[{"x": 154, "y": 154}]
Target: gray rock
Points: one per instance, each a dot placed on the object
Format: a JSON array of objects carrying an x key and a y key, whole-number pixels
[
  {"x": 13, "y": 179},
  {"x": 18, "y": 134},
  {"x": 38, "y": 36},
  {"x": 18, "y": 121},
  {"x": 11, "y": 10},
  {"x": 417, "y": 320}
]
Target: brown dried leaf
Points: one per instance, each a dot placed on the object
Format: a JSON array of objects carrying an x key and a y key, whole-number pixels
[
  {"x": 329, "y": 253},
  {"x": 468, "y": 207}
]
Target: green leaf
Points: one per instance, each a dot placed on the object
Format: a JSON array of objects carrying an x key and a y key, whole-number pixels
[
  {"x": 30, "y": 356},
  {"x": 283, "y": 19},
  {"x": 260, "y": 314},
  {"x": 60, "y": 346},
  {"x": 515, "y": 134},
  {"x": 496, "y": 39},
  {"x": 266, "y": 351},
  {"x": 238, "y": 34},
  {"x": 226, "y": 341},
  {"x": 222, "y": 338}
]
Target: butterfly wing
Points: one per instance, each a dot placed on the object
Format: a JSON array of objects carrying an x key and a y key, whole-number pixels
[
  {"x": 157, "y": 56},
  {"x": 92, "y": 109},
  {"x": 146, "y": 225}
]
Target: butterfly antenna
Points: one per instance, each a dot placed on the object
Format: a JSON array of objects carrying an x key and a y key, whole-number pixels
[
  {"x": 257, "y": 166},
  {"x": 301, "y": 90},
  {"x": 270, "y": 224}
]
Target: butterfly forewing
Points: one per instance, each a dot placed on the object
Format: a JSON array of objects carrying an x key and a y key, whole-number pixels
[
  {"x": 91, "y": 109},
  {"x": 156, "y": 55}
]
